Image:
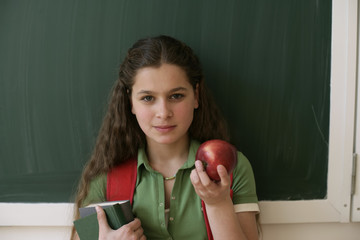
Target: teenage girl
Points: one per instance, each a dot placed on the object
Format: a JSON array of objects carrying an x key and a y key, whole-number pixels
[{"x": 159, "y": 113}]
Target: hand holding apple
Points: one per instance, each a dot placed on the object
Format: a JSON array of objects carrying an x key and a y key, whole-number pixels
[{"x": 217, "y": 152}]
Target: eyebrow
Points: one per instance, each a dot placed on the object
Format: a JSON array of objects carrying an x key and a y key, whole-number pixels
[{"x": 171, "y": 91}]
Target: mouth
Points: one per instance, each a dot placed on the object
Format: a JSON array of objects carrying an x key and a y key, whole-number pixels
[{"x": 165, "y": 128}]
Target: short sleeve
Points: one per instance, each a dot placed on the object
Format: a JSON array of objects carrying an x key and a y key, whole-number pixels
[
  {"x": 244, "y": 188},
  {"x": 97, "y": 190}
]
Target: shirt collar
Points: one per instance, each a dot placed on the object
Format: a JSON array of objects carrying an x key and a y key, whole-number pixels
[{"x": 194, "y": 145}]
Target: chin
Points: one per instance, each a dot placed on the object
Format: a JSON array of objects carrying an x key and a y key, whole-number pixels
[{"x": 166, "y": 140}]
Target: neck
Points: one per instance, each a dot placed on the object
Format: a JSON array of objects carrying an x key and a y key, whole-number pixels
[
  {"x": 168, "y": 158},
  {"x": 163, "y": 153}
]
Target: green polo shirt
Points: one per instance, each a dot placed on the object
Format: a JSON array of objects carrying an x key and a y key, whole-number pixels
[{"x": 186, "y": 219}]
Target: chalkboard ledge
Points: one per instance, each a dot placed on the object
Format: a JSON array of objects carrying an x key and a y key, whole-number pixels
[{"x": 272, "y": 212}]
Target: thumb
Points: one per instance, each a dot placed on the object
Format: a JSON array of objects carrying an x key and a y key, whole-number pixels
[{"x": 101, "y": 216}]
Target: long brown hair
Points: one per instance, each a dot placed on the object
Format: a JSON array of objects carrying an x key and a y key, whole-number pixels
[{"x": 120, "y": 135}]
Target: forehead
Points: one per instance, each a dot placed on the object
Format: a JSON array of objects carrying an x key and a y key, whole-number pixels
[{"x": 160, "y": 78}]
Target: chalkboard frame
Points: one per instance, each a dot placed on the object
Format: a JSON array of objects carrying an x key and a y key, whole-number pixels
[
  {"x": 336, "y": 207},
  {"x": 270, "y": 76}
]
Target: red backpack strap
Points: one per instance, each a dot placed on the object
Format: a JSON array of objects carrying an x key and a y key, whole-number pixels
[
  {"x": 208, "y": 229},
  {"x": 121, "y": 181}
]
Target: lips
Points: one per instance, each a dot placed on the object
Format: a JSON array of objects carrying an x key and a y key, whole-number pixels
[{"x": 165, "y": 128}]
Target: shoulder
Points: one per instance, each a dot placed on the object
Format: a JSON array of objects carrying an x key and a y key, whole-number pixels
[
  {"x": 244, "y": 182},
  {"x": 97, "y": 190},
  {"x": 243, "y": 165}
]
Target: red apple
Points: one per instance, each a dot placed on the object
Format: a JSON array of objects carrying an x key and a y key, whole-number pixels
[{"x": 217, "y": 152}]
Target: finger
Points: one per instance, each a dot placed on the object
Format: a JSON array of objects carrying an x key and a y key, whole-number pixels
[
  {"x": 131, "y": 227},
  {"x": 224, "y": 176},
  {"x": 204, "y": 178},
  {"x": 195, "y": 180},
  {"x": 103, "y": 224},
  {"x": 139, "y": 232},
  {"x": 131, "y": 230},
  {"x": 199, "y": 166},
  {"x": 135, "y": 224},
  {"x": 194, "y": 177}
]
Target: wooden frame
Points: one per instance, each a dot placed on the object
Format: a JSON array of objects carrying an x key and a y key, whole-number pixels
[{"x": 355, "y": 210}]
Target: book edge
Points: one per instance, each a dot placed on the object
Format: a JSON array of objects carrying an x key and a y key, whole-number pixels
[{"x": 106, "y": 203}]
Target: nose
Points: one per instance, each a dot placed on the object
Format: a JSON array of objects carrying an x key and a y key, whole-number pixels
[{"x": 163, "y": 110}]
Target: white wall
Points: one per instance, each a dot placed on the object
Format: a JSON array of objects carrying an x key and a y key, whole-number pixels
[
  {"x": 34, "y": 233},
  {"x": 313, "y": 231},
  {"x": 317, "y": 231}
]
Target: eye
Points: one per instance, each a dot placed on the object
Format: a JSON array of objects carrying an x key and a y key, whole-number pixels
[
  {"x": 147, "y": 98},
  {"x": 177, "y": 96}
]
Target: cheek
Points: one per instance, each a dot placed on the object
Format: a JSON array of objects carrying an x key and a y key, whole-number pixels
[
  {"x": 143, "y": 114},
  {"x": 144, "y": 121},
  {"x": 185, "y": 113}
]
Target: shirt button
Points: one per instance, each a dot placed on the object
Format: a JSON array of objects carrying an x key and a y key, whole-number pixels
[
  {"x": 161, "y": 204},
  {"x": 163, "y": 224},
  {"x": 172, "y": 198},
  {"x": 171, "y": 219}
]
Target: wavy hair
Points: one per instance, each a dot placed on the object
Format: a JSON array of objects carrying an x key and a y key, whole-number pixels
[{"x": 120, "y": 136}]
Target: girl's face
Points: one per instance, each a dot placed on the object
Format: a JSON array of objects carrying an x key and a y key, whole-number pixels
[{"x": 163, "y": 101}]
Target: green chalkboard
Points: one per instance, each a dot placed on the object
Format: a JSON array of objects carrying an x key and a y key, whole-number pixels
[{"x": 266, "y": 62}]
